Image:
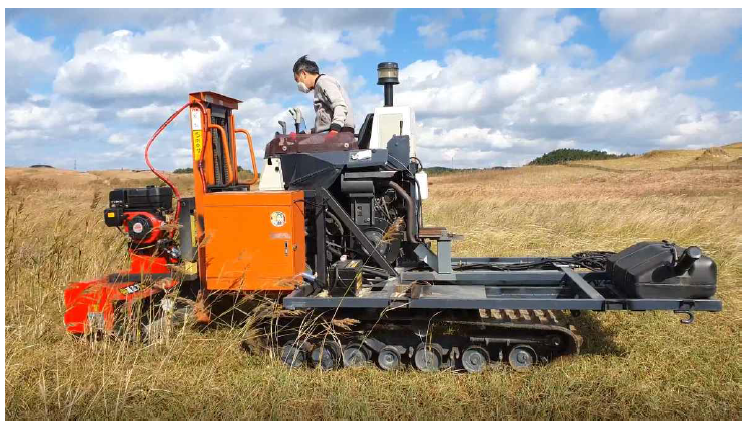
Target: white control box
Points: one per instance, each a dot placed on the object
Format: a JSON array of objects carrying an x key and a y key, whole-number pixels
[
  {"x": 387, "y": 122},
  {"x": 271, "y": 178}
]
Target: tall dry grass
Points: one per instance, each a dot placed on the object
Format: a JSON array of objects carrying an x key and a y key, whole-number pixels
[{"x": 632, "y": 366}]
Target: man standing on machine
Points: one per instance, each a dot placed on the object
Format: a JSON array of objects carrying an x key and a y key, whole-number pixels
[{"x": 331, "y": 102}]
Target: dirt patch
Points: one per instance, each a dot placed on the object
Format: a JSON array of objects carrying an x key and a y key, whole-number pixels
[{"x": 715, "y": 152}]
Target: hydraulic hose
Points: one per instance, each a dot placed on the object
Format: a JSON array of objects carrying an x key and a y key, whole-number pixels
[{"x": 159, "y": 175}]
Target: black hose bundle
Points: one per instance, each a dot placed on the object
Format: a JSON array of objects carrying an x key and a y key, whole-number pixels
[{"x": 592, "y": 260}]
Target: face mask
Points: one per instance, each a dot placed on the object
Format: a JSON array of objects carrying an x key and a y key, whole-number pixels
[{"x": 303, "y": 88}]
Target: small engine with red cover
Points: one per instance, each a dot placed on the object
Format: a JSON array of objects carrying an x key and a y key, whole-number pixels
[{"x": 141, "y": 213}]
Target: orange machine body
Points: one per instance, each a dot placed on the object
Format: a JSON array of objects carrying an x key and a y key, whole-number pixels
[
  {"x": 248, "y": 240},
  {"x": 254, "y": 240}
]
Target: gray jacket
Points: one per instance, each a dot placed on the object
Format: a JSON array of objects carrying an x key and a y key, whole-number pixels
[{"x": 332, "y": 105}]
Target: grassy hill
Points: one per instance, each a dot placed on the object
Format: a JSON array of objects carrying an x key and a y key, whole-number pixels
[
  {"x": 632, "y": 365},
  {"x": 718, "y": 156},
  {"x": 564, "y": 155}
]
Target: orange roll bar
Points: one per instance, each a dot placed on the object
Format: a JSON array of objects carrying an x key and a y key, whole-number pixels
[{"x": 251, "y": 154}]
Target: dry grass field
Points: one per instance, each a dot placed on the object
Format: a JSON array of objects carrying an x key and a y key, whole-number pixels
[{"x": 632, "y": 365}]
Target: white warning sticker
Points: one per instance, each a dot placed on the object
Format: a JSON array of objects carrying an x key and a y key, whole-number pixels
[
  {"x": 278, "y": 219},
  {"x": 196, "y": 119}
]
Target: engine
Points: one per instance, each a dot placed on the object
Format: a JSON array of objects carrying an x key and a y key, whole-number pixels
[
  {"x": 377, "y": 188},
  {"x": 141, "y": 212}
]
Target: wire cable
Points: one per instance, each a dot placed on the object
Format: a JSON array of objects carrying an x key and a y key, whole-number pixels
[{"x": 592, "y": 260}]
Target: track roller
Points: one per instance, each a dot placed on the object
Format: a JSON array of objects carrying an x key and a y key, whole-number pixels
[
  {"x": 474, "y": 359},
  {"x": 355, "y": 355},
  {"x": 326, "y": 356},
  {"x": 522, "y": 357},
  {"x": 293, "y": 356},
  {"x": 427, "y": 358},
  {"x": 389, "y": 358}
]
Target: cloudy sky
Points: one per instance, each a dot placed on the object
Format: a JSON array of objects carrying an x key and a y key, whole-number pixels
[{"x": 489, "y": 87}]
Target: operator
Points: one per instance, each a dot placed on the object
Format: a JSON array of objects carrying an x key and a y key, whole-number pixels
[{"x": 331, "y": 102}]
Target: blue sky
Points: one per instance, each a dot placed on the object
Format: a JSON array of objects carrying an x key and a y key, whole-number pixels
[{"x": 489, "y": 87}]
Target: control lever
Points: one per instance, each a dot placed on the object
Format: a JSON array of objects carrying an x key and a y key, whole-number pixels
[{"x": 297, "y": 118}]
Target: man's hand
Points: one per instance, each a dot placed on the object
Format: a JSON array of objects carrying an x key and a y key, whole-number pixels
[{"x": 331, "y": 135}]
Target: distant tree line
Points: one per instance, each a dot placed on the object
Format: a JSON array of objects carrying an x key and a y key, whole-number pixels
[
  {"x": 438, "y": 170},
  {"x": 569, "y": 154}
]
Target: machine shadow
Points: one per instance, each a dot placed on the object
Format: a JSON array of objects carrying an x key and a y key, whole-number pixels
[{"x": 598, "y": 339}]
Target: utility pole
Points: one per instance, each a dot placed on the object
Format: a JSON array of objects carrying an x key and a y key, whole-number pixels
[{"x": 75, "y": 164}]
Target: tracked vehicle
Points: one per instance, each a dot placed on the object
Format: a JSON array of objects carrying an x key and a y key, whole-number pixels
[{"x": 335, "y": 231}]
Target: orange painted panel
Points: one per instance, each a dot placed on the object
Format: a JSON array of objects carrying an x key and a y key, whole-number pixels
[{"x": 254, "y": 240}]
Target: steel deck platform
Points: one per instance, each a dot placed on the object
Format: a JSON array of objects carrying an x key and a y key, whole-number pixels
[{"x": 561, "y": 289}]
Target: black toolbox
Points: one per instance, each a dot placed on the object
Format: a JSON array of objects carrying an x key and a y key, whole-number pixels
[{"x": 662, "y": 270}]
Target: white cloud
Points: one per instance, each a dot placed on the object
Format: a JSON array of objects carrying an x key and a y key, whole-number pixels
[
  {"x": 544, "y": 90},
  {"x": 420, "y": 71},
  {"x": 619, "y": 105},
  {"x": 476, "y": 34},
  {"x": 672, "y": 36},
  {"x": 435, "y": 29},
  {"x": 469, "y": 136},
  {"x": 118, "y": 139},
  {"x": 508, "y": 114},
  {"x": 517, "y": 81},
  {"x": 465, "y": 84},
  {"x": 148, "y": 114},
  {"x": 704, "y": 130},
  {"x": 247, "y": 60},
  {"x": 111, "y": 66},
  {"x": 124, "y": 83},
  {"x": 534, "y": 35},
  {"x": 435, "y": 33},
  {"x": 59, "y": 120},
  {"x": 27, "y": 61}
]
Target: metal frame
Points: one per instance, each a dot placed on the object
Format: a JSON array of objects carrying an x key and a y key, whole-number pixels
[
  {"x": 560, "y": 289},
  {"x": 448, "y": 287},
  {"x": 324, "y": 199}
]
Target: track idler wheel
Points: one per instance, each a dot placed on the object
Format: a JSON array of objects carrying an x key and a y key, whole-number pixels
[
  {"x": 389, "y": 358},
  {"x": 326, "y": 356},
  {"x": 355, "y": 355},
  {"x": 293, "y": 356},
  {"x": 427, "y": 358},
  {"x": 474, "y": 359},
  {"x": 522, "y": 357}
]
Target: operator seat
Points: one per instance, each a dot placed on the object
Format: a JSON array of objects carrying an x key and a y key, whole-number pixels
[{"x": 364, "y": 133}]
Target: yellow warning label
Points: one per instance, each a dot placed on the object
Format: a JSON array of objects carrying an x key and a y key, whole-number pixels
[
  {"x": 110, "y": 214},
  {"x": 197, "y": 143},
  {"x": 194, "y": 231}
]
